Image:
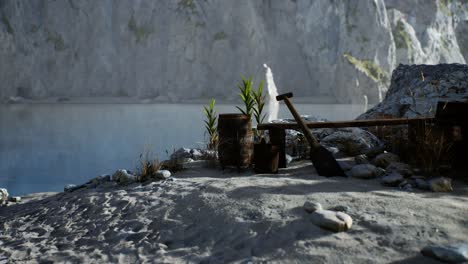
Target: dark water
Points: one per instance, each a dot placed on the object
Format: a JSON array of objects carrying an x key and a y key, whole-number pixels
[{"x": 45, "y": 146}]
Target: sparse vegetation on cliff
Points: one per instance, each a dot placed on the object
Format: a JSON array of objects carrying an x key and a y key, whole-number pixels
[
  {"x": 56, "y": 39},
  {"x": 141, "y": 32},
  {"x": 401, "y": 36},
  {"x": 7, "y": 24},
  {"x": 369, "y": 68}
]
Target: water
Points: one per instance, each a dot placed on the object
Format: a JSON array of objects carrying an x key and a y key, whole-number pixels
[
  {"x": 272, "y": 107},
  {"x": 45, "y": 146}
]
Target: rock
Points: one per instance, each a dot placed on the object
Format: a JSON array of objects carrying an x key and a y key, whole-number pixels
[
  {"x": 422, "y": 184},
  {"x": 99, "y": 180},
  {"x": 340, "y": 208},
  {"x": 334, "y": 221},
  {"x": 379, "y": 172},
  {"x": 374, "y": 151},
  {"x": 15, "y": 199},
  {"x": 453, "y": 254},
  {"x": 181, "y": 154},
  {"x": 346, "y": 165},
  {"x": 352, "y": 141},
  {"x": 311, "y": 207},
  {"x": 440, "y": 184},
  {"x": 289, "y": 159},
  {"x": 361, "y": 159},
  {"x": 402, "y": 168},
  {"x": 392, "y": 179},
  {"x": 70, "y": 187},
  {"x": 364, "y": 171},
  {"x": 163, "y": 174},
  {"x": 415, "y": 90},
  {"x": 3, "y": 195},
  {"x": 123, "y": 177},
  {"x": 384, "y": 159}
]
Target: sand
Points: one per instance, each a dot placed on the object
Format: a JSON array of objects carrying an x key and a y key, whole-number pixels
[{"x": 213, "y": 217}]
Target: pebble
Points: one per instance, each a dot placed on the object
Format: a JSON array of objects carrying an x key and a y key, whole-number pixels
[
  {"x": 123, "y": 177},
  {"x": 163, "y": 174}
]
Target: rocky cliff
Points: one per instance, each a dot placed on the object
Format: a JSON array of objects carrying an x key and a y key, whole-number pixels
[{"x": 186, "y": 49}]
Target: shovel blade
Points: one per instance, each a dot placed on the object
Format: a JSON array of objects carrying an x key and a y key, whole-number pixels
[{"x": 324, "y": 162}]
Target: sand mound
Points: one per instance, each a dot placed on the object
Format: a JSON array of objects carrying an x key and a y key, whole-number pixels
[{"x": 210, "y": 217}]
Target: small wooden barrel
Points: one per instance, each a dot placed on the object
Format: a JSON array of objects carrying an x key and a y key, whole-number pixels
[{"x": 235, "y": 140}]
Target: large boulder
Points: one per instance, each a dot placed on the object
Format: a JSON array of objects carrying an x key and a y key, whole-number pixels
[{"x": 416, "y": 89}]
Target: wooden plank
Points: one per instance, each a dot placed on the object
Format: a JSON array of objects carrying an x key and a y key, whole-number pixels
[{"x": 352, "y": 123}]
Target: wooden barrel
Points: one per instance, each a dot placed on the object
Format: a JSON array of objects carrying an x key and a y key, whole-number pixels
[{"x": 235, "y": 140}]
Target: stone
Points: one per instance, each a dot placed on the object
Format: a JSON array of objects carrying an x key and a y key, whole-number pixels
[
  {"x": 122, "y": 177},
  {"x": 440, "y": 184},
  {"x": 392, "y": 179},
  {"x": 410, "y": 95},
  {"x": 402, "y": 168},
  {"x": 457, "y": 253},
  {"x": 346, "y": 165},
  {"x": 374, "y": 151},
  {"x": 3, "y": 195},
  {"x": 181, "y": 154},
  {"x": 364, "y": 171},
  {"x": 384, "y": 159},
  {"x": 340, "y": 208},
  {"x": 163, "y": 174},
  {"x": 70, "y": 187},
  {"x": 422, "y": 184},
  {"x": 15, "y": 199},
  {"x": 352, "y": 141},
  {"x": 361, "y": 159},
  {"x": 330, "y": 220},
  {"x": 379, "y": 172},
  {"x": 311, "y": 207},
  {"x": 99, "y": 180}
]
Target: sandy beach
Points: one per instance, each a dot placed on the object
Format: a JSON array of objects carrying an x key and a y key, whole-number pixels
[{"x": 205, "y": 215}]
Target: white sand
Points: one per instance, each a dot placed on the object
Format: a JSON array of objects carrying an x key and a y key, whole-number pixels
[{"x": 210, "y": 217}]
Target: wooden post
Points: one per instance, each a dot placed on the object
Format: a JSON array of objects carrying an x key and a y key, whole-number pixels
[{"x": 278, "y": 137}]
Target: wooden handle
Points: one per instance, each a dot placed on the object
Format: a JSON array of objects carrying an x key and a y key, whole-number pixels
[{"x": 302, "y": 125}]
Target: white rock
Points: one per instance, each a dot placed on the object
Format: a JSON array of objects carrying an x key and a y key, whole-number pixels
[
  {"x": 163, "y": 174},
  {"x": 15, "y": 199},
  {"x": 334, "y": 221},
  {"x": 123, "y": 177},
  {"x": 311, "y": 207},
  {"x": 364, "y": 171},
  {"x": 440, "y": 184},
  {"x": 70, "y": 188},
  {"x": 453, "y": 254},
  {"x": 3, "y": 195}
]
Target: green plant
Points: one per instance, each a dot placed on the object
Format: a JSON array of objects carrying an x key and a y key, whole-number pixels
[
  {"x": 246, "y": 95},
  {"x": 259, "y": 99},
  {"x": 210, "y": 124}
]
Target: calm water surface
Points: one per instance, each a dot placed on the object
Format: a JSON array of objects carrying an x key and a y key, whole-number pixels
[{"x": 45, "y": 146}]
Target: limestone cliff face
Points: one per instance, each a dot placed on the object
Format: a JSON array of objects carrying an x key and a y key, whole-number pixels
[{"x": 186, "y": 49}]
